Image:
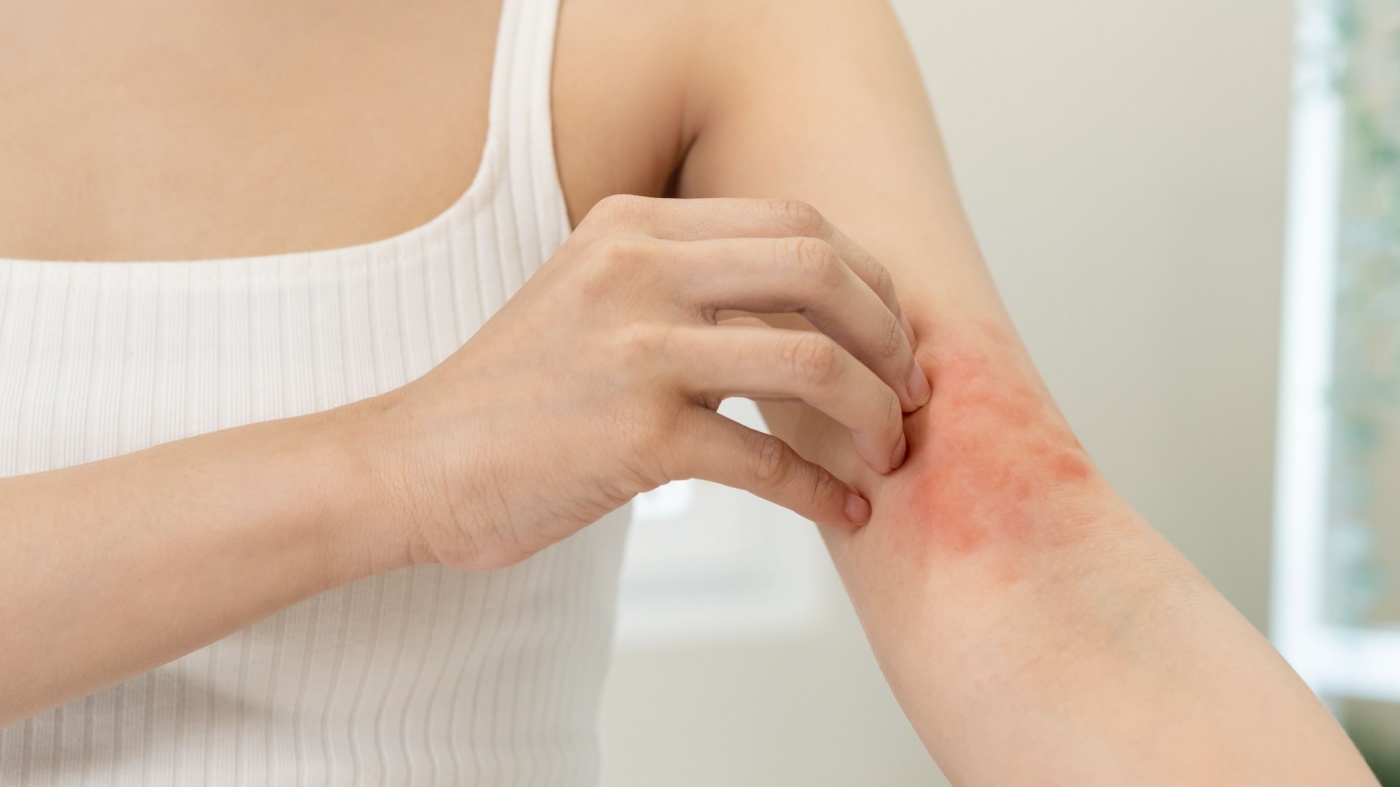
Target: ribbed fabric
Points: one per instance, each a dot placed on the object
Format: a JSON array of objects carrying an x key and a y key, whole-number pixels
[{"x": 423, "y": 676}]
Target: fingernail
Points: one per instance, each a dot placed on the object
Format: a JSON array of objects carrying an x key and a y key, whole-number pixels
[
  {"x": 897, "y": 458},
  {"x": 919, "y": 390},
  {"x": 857, "y": 508},
  {"x": 908, "y": 329}
]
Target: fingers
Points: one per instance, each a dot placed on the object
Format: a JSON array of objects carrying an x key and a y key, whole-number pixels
[
  {"x": 767, "y": 363},
  {"x": 705, "y": 219},
  {"x": 806, "y": 276},
  {"x": 732, "y": 454}
]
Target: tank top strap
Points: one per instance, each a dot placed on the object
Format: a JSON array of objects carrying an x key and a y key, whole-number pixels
[{"x": 521, "y": 123}]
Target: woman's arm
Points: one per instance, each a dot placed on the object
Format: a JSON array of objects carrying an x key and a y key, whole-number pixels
[
  {"x": 554, "y": 413},
  {"x": 1033, "y": 626},
  {"x": 111, "y": 568}
]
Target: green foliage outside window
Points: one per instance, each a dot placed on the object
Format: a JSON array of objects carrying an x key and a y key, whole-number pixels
[{"x": 1365, "y": 395}]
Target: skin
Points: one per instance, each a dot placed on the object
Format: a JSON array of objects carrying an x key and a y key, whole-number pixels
[
  {"x": 1015, "y": 602},
  {"x": 116, "y": 566}
]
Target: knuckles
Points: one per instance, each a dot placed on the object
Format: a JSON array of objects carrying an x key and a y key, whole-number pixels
[
  {"x": 771, "y": 464},
  {"x": 893, "y": 340},
  {"x": 883, "y": 284},
  {"x": 776, "y": 467},
  {"x": 611, "y": 263},
  {"x": 811, "y": 357},
  {"x": 621, "y": 253},
  {"x": 825, "y": 487},
  {"x": 894, "y": 416},
  {"x": 640, "y": 346},
  {"x": 796, "y": 216},
  {"x": 814, "y": 260},
  {"x": 615, "y": 211}
]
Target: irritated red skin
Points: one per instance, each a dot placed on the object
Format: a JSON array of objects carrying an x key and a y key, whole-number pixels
[{"x": 992, "y": 464}]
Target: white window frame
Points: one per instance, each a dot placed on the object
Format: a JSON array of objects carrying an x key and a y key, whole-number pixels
[{"x": 1336, "y": 661}]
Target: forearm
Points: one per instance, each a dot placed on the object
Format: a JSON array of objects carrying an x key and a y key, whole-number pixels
[
  {"x": 114, "y": 567},
  {"x": 1036, "y": 629}
]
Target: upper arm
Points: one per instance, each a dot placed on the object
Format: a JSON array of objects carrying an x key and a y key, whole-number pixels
[{"x": 822, "y": 101}]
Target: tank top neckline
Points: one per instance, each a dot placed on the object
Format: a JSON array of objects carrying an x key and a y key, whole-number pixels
[
  {"x": 421, "y": 676},
  {"x": 473, "y": 199}
]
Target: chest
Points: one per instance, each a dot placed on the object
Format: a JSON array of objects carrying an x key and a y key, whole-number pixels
[{"x": 185, "y": 131}]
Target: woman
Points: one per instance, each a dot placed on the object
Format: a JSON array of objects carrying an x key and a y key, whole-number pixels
[{"x": 330, "y": 362}]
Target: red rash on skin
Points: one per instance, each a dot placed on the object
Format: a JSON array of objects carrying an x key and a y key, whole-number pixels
[{"x": 991, "y": 462}]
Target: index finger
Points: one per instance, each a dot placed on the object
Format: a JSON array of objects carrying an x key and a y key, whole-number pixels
[{"x": 730, "y": 217}]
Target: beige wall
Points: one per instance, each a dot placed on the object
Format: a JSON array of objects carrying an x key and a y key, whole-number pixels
[{"x": 1124, "y": 165}]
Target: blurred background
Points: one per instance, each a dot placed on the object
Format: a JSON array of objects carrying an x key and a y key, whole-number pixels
[{"x": 1126, "y": 168}]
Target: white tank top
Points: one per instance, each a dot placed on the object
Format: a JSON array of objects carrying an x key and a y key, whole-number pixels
[{"x": 426, "y": 675}]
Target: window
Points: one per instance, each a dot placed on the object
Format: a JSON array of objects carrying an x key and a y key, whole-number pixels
[{"x": 1336, "y": 613}]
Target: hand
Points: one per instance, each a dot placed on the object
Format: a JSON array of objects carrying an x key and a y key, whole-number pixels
[{"x": 599, "y": 380}]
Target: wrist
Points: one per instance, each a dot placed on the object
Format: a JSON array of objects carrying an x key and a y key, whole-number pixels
[{"x": 351, "y": 502}]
